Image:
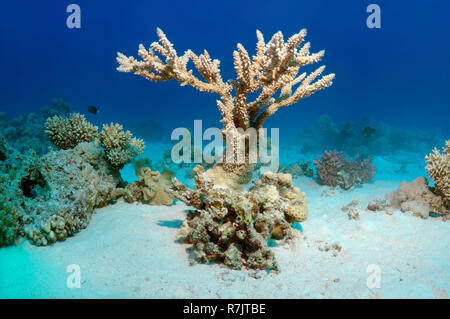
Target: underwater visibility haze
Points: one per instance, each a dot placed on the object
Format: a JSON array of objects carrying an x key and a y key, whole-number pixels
[{"x": 201, "y": 149}]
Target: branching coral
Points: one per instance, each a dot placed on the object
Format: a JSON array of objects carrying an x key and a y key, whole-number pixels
[
  {"x": 119, "y": 145},
  {"x": 69, "y": 132},
  {"x": 438, "y": 168},
  {"x": 334, "y": 169},
  {"x": 234, "y": 228},
  {"x": 272, "y": 71}
]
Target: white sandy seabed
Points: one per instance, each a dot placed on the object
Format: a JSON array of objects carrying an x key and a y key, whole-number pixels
[{"x": 129, "y": 251}]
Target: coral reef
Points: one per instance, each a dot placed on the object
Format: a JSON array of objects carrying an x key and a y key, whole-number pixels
[
  {"x": 68, "y": 132},
  {"x": 233, "y": 227},
  {"x": 120, "y": 146},
  {"x": 273, "y": 69},
  {"x": 334, "y": 169},
  {"x": 50, "y": 198},
  {"x": 349, "y": 137},
  {"x": 438, "y": 168},
  {"x": 416, "y": 197},
  {"x": 26, "y": 132}
]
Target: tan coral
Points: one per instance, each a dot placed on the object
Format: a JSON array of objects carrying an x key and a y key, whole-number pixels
[
  {"x": 68, "y": 132},
  {"x": 233, "y": 227},
  {"x": 150, "y": 188},
  {"x": 272, "y": 74},
  {"x": 438, "y": 168},
  {"x": 120, "y": 146},
  {"x": 417, "y": 198}
]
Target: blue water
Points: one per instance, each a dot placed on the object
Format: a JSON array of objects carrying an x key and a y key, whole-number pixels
[
  {"x": 395, "y": 79},
  {"x": 398, "y": 74}
]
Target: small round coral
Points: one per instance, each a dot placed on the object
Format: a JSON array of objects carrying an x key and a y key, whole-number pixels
[{"x": 66, "y": 133}]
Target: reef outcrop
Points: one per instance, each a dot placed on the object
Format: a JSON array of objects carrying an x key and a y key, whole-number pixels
[
  {"x": 52, "y": 197},
  {"x": 234, "y": 228}
]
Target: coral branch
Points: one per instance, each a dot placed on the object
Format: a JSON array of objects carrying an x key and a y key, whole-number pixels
[{"x": 273, "y": 70}]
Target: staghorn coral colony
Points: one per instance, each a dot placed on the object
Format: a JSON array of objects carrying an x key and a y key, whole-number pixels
[
  {"x": 272, "y": 73},
  {"x": 230, "y": 224}
]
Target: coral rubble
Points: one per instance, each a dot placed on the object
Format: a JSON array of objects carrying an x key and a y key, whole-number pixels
[
  {"x": 234, "y": 228},
  {"x": 334, "y": 169}
]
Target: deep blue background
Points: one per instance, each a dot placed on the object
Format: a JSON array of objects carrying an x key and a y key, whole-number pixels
[{"x": 399, "y": 73}]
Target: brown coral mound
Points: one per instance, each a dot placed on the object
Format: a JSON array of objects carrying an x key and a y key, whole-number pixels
[
  {"x": 438, "y": 168},
  {"x": 417, "y": 198},
  {"x": 334, "y": 169},
  {"x": 234, "y": 228},
  {"x": 68, "y": 132}
]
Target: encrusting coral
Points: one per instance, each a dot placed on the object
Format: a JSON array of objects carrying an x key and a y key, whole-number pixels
[
  {"x": 438, "y": 168},
  {"x": 69, "y": 132},
  {"x": 272, "y": 71},
  {"x": 334, "y": 169},
  {"x": 234, "y": 228}
]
